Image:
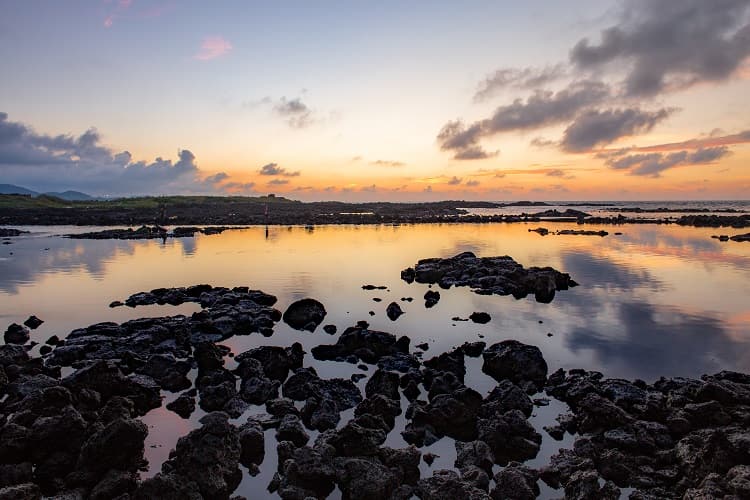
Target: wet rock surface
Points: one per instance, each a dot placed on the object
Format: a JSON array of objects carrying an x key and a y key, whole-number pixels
[
  {"x": 70, "y": 422},
  {"x": 149, "y": 232},
  {"x": 490, "y": 275}
]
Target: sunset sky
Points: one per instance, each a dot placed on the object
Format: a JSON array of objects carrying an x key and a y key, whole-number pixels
[{"x": 390, "y": 100}]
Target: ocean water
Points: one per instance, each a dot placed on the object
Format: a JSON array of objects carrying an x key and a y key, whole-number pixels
[{"x": 657, "y": 300}]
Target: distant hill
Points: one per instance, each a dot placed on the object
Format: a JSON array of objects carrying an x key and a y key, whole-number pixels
[
  {"x": 11, "y": 189},
  {"x": 71, "y": 196},
  {"x": 64, "y": 195}
]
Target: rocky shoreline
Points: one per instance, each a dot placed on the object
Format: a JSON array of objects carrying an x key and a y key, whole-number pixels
[
  {"x": 272, "y": 210},
  {"x": 70, "y": 420}
]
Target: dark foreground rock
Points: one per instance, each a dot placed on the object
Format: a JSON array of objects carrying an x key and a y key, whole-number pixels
[
  {"x": 490, "y": 275},
  {"x": 80, "y": 436}
]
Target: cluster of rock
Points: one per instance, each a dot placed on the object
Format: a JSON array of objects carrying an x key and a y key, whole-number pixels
[
  {"x": 490, "y": 275},
  {"x": 676, "y": 438},
  {"x": 737, "y": 237},
  {"x": 79, "y": 435},
  {"x": 736, "y": 221},
  {"x": 148, "y": 233}
]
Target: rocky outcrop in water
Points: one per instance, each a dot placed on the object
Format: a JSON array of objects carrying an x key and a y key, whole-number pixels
[{"x": 490, "y": 275}]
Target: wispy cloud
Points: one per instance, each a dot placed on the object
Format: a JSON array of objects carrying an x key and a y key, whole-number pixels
[
  {"x": 275, "y": 169},
  {"x": 213, "y": 47},
  {"x": 387, "y": 163}
]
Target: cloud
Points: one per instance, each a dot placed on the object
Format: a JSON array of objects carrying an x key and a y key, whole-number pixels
[
  {"x": 213, "y": 47},
  {"x": 296, "y": 113},
  {"x": 55, "y": 163},
  {"x": 462, "y": 141},
  {"x": 275, "y": 169},
  {"x": 541, "y": 109},
  {"x": 387, "y": 163},
  {"x": 454, "y": 181},
  {"x": 472, "y": 183},
  {"x": 541, "y": 142},
  {"x": 369, "y": 189},
  {"x": 653, "y": 164},
  {"x": 556, "y": 172},
  {"x": 518, "y": 78},
  {"x": 703, "y": 142},
  {"x": 545, "y": 107},
  {"x": 278, "y": 182},
  {"x": 671, "y": 44},
  {"x": 427, "y": 189},
  {"x": 594, "y": 128}
]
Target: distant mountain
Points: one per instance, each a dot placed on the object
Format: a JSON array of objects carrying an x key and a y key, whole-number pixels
[
  {"x": 11, "y": 189},
  {"x": 64, "y": 195},
  {"x": 71, "y": 196}
]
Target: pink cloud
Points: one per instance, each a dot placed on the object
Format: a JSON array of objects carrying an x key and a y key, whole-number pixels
[{"x": 213, "y": 47}]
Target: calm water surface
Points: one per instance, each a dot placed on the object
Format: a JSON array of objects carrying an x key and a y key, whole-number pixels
[{"x": 656, "y": 300}]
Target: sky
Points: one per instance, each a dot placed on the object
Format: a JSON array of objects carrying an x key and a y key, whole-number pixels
[{"x": 390, "y": 100}]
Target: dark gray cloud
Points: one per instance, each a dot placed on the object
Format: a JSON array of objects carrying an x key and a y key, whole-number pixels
[
  {"x": 454, "y": 181},
  {"x": 518, "y": 78},
  {"x": 546, "y": 108},
  {"x": 541, "y": 109},
  {"x": 671, "y": 44},
  {"x": 278, "y": 182},
  {"x": 597, "y": 128},
  {"x": 275, "y": 169},
  {"x": 653, "y": 164},
  {"x": 472, "y": 183},
  {"x": 296, "y": 113},
  {"x": 57, "y": 163}
]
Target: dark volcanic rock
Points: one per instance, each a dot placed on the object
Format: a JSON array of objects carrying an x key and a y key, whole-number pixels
[
  {"x": 276, "y": 361},
  {"x": 480, "y": 317},
  {"x": 118, "y": 446},
  {"x": 393, "y": 311},
  {"x": 516, "y": 362},
  {"x": 517, "y": 482},
  {"x": 490, "y": 275},
  {"x": 305, "y": 314},
  {"x": 431, "y": 297},
  {"x": 367, "y": 345},
  {"x": 209, "y": 457},
  {"x": 33, "y": 322},
  {"x": 445, "y": 484},
  {"x": 183, "y": 405},
  {"x": 16, "y": 334}
]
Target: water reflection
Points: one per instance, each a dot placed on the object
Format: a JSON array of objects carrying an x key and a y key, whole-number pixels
[
  {"x": 654, "y": 341},
  {"x": 656, "y": 300}
]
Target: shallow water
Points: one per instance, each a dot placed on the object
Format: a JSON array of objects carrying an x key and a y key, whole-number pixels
[{"x": 656, "y": 300}]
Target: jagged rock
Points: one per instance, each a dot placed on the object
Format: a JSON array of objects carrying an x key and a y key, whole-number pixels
[
  {"x": 183, "y": 405},
  {"x": 252, "y": 444},
  {"x": 291, "y": 429},
  {"x": 516, "y": 482},
  {"x": 516, "y": 362},
  {"x": 393, "y": 311},
  {"x": 209, "y": 457},
  {"x": 447, "y": 484},
  {"x": 33, "y": 322},
  {"x": 474, "y": 454}
]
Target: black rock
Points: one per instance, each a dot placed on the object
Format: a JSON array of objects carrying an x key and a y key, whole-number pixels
[
  {"x": 16, "y": 334},
  {"x": 431, "y": 297},
  {"x": 305, "y": 314},
  {"x": 393, "y": 311},
  {"x": 33, "y": 322},
  {"x": 330, "y": 329},
  {"x": 480, "y": 317},
  {"x": 516, "y": 362}
]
